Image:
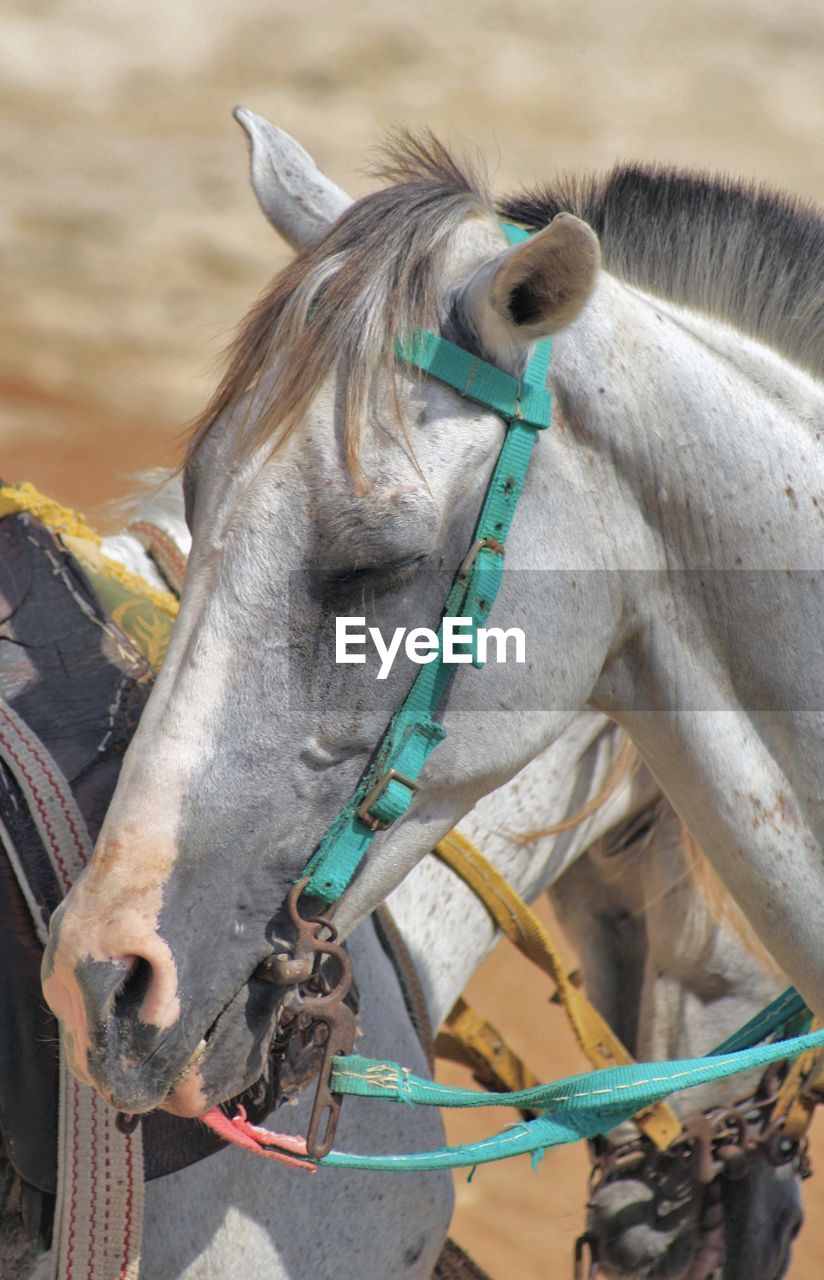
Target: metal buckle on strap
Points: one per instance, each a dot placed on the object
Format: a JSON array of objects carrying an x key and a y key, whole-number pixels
[
  {"x": 391, "y": 775},
  {"x": 488, "y": 544}
]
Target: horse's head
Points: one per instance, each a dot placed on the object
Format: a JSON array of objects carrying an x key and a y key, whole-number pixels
[
  {"x": 326, "y": 480},
  {"x": 657, "y": 1222}
]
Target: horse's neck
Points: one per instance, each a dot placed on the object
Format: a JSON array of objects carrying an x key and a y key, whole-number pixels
[
  {"x": 662, "y": 955},
  {"x": 446, "y": 927},
  {"x": 691, "y": 451}
]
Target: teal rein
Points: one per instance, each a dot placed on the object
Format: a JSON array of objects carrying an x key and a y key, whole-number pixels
[
  {"x": 573, "y": 1108},
  {"x": 579, "y": 1106}
]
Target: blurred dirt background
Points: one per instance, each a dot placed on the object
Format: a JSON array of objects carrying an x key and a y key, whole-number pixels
[{"x": 131, "y": 246}]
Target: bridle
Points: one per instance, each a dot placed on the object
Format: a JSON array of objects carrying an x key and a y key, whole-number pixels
[{"x": 388, "y": 784}]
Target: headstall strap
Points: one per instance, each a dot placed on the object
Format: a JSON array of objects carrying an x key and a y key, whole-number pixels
[{"x": 387, "y": 787}]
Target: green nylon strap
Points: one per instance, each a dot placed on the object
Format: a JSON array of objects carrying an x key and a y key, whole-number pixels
[
  {"x": 414, "y": 732},
  {"x": 778, "y": 1016},
  {"x": 576, "y": 1107},
  {"x": 477, "y": 380}
]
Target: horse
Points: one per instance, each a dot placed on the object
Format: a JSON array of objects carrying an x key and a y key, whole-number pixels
[
  {"x": 618, "y": 909},
  {"x": 652, "y": 557},
  {"x": 617, "y": 898},
  {"x": 679, "y": 992}
]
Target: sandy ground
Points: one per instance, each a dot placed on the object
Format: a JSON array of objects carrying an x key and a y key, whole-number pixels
[{"x": 131, "y": 247}]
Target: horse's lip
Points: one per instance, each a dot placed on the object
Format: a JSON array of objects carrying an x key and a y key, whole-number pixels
[
  {"x": 195, "y": 1059},
  {"x": 202, "y": 1049}
]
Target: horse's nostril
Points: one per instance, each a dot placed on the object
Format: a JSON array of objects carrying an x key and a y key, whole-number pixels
[{"x": 133, "y": 987}]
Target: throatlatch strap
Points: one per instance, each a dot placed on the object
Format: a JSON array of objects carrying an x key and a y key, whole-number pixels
[{"x": 385, "y": 791}]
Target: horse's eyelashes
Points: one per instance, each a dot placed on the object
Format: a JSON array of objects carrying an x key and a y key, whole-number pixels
[{"x": 378, "y": 577}]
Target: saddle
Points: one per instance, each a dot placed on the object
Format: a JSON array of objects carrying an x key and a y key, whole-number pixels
[
  {"x": 80, "y": 683},
  {"x": 77, "y": 661}
]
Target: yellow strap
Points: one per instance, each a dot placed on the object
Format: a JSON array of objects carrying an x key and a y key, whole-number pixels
[
  {"x": 473, "y": 1042},
  {"x": 801, "y": 1092},
  {"x": 143, "y": 612},
  {"x": 521, "y": 925},
  {"x": 82, "y": 541}
]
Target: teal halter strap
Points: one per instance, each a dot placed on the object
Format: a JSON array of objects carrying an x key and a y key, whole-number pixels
[{"x": 385, "y": 790}]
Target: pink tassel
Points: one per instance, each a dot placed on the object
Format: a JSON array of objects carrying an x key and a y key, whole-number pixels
[{"x": 242, "y": 1133}]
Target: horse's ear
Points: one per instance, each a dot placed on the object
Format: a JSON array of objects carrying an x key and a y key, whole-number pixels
[
  {"x": 299, "y": 201},
  {"x": 537, "y": 287}
]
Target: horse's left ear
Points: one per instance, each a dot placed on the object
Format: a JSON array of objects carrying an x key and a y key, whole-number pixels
[
  {"x": 300, "y": 202},
  {"x": 536, "y": 288}
]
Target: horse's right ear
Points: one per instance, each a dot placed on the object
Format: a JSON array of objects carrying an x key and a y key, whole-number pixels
[
  {"x": 300, "y": 202},
  {"x": 534, "y": 288}
]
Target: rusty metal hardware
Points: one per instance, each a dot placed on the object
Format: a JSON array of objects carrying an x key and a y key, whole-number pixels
[
  {"x": 284, "y": 970},
  {"x": 375, "y": 792},
  {"x": 583, "y": 1245},
  {"x": 711, "y": 1135},
  {"x": 126, "y": 1123},
  {"x": 488, "y": 544},
  {"x": 334, "y": 1023}
]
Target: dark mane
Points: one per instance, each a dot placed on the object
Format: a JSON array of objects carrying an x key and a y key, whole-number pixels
[{"x": 740, "y": 252}]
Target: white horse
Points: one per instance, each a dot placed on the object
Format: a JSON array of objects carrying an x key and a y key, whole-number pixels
[
  {"x": 668, "y": 544},
  {"x": 666, "y": 990},
  {"x": 672, "y": 971},
  {"x": 681, "y": 992},
  {"x": 230, "y": 1217}
]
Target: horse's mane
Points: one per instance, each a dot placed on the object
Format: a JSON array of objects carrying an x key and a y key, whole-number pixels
[
  {"x": 745, "y": 254},
  {"x": 734, "y": 250},
  {"x": 341, "y": 304}
]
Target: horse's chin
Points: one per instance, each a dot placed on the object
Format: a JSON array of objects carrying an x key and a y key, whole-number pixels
[{"x": 189, "y": 1097}]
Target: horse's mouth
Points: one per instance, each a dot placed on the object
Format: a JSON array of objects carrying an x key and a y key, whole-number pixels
[
  {"x": 193, "y": 1063},
  {"x": 187, "y": 1096},
  {"x": 203, "y": 1083}
]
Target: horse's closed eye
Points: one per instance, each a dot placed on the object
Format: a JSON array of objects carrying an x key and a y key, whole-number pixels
[{"x": 377, "y": 577}]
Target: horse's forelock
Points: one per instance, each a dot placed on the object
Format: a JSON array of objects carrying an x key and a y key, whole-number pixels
[{"x": 341, "y": 304}]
